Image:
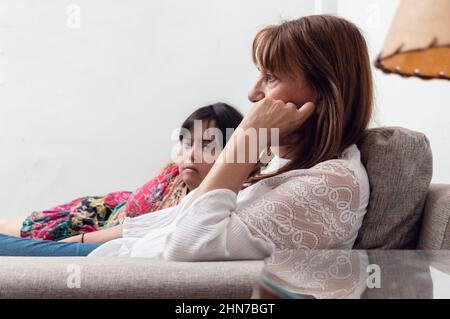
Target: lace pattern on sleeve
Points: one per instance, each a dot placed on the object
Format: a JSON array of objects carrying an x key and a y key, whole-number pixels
[{"x": 306, "y": 209}]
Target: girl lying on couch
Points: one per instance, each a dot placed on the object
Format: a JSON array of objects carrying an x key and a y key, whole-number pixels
[
  {"x": 315, "y": 87},
  {"x": 175, "y": 180}
]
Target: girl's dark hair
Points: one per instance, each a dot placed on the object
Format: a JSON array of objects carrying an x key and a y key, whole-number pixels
[{"x": 223, "y": 114}]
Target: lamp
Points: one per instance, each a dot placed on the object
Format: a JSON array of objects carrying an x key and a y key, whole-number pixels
[{"x": 418, "y": 43}]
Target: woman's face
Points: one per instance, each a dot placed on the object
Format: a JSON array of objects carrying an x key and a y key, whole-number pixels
[
  {"x": 197, "y": 155},
  {"x": 283, "y": 88},
  {"x": 294, "y": 90}
]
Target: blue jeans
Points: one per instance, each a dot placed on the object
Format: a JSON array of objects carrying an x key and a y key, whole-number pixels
[{"x": 15, "y": 246}]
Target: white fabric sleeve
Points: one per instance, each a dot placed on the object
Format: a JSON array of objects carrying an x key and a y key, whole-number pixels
[
  {"x": 139, "y": 226},
  {"x": 210, "y": 230}
]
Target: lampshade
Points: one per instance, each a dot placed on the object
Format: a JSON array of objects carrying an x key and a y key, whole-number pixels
[{"x": 418, "y": 43}]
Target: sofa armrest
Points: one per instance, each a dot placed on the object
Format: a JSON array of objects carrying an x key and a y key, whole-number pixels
[
  {"x": 119, "y": 277},
  {"x": 435, "y": 230}
]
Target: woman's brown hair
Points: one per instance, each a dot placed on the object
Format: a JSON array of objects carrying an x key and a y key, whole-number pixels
[{"x": 332, "y": 54}]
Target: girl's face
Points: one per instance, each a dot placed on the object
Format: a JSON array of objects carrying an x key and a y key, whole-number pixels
[{"x": 197, "y": 155}]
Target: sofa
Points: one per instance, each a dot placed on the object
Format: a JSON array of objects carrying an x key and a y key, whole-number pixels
[{"x": 405, "y": 212}]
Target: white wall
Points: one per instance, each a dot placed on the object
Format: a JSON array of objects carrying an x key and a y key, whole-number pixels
[{"x": 88, "y": 110}]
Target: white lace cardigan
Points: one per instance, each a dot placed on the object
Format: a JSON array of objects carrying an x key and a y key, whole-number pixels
[{"x": 317, "y": 208}]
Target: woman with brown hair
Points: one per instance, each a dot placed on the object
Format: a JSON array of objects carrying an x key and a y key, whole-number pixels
[{"x": 315, "y": 88}]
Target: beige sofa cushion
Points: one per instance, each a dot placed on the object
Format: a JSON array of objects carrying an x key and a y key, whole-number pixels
[
  {"x": 435, "y": 231},
  {"x": 399, "y": 165},
  {"x": 123, "y": 278}
]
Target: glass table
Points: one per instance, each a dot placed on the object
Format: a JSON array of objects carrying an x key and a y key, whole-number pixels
[{"x": 355, "y": 274}]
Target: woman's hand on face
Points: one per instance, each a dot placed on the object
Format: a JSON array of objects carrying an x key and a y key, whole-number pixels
[{"x": 275, "y": 114}]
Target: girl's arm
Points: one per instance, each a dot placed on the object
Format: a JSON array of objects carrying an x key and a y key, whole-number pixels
[{"x": 100, "y": 236}]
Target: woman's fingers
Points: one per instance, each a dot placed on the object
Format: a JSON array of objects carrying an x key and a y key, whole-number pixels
[{"x": 287, "y": 118}]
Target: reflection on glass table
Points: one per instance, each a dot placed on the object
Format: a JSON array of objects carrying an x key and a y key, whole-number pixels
[{"x": 355, "y": 274}]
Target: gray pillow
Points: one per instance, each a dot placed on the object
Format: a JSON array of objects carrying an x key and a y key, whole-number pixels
[{"x": 400, "y": 166}]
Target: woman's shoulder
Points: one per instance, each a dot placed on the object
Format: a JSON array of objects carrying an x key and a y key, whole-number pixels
[
  {"x": 347, "y": 164},
  {"x": 345, "y": 170}
]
